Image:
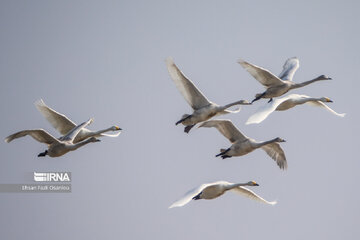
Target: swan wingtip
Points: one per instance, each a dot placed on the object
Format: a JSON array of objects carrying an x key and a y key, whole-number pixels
[
  {"x": 171, "y": 206},
  {"x": 273, "y": 203},
  {"x": 240, "y": 61},
  {"x": 39, "y": 102},
  {"x": 169, "y": 60}
]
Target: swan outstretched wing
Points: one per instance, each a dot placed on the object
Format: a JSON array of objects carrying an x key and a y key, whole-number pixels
[
  {"x": 275, "y": 152},
  {"x": 59, "y": 121},
  {"x": 250, "y": 194},
  {"x": 39, "y": 135},
  {"x": 323, "y": 105},
  {"x": 226, "y": 128},
  {"x": 188, "y": 196},
  {"x": 298, "y": 97},
  {"x": 264, "y": 76},
  {"x": 186, "y": 87},
  {"x": 289, "y": 69},
  {"x": 75, "y": 131},
  {"x": 264, "y": 111}
]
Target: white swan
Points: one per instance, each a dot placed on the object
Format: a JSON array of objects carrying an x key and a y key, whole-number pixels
[
  {"x": 242, "y": 144},
  {"x": 203, "y": 108},
  {"x": 56, "y": 147},
  {"x": 287, "y": 102},
  {"x": 216, "y": 189},
  {"x": 63, "y": 124},
  {"x": 277, "y": 86}
]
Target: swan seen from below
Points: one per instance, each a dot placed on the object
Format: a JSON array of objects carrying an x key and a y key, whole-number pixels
[
  {"x": 56, "y": 147},
  {"x": 216, "y": 189},
  {"x": 242, "y": 145},
  {"x": 63, "y": 124},
  {"x": 287, "y": 102},
  {"x": 277, "y": 86},
  {"x": 203, "y": 108}
]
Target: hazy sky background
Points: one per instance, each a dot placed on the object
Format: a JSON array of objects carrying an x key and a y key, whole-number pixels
[{"x": 105, "y": 59}]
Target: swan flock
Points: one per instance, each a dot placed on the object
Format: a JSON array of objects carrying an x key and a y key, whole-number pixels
[{"x": 74, "y": 136}]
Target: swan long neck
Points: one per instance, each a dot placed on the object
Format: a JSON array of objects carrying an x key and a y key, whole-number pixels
[
  {"x": 102, "y": 131},
  {"x": 261, "y": 144},
  {"x": 303, "y": 84},
  {"x": 80, "y": 144},
  {"x": 231, "y": 186},
  {"x": 305, "y": 100},
  {"x": 221, "y": 108}
]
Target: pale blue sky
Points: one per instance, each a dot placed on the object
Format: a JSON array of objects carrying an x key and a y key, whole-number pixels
[{"x": 105, "y": 59}]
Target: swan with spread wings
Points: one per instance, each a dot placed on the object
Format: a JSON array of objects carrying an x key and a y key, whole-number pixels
[
  {"x": 277, "y": 86},
  {"x": 216, "y": 189},
  {"x": 203, "y": 108}
]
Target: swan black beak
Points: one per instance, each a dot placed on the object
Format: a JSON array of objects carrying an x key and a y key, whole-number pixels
[{"x": 254, "y": 183}]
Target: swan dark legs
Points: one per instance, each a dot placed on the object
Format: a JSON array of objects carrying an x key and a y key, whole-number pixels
[
  {"x": 197, "y": 197},
  {"x": 43, "y": 154},
  {"x": 181, "y": 120},
  {"x": 188, "y": 128},
  {"x": 223, "y": 153},
  {"x": 257, "y": 97}
]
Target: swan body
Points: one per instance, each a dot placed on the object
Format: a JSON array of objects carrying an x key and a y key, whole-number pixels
[
  {"x": 56, "y": 147},
  {"x": 242, "y": 145},
  {"x": 277, "y": 86},
  {"x": 63, "y": 124},
  {"x": 216, "y": 189},
  {"x": 203, "y": 108},
  {"x": 287, "y": 102}
]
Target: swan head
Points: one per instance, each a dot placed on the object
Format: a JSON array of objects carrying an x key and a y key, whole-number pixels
[
  {"x": 115, "y": 128},
  {"x": 252, "y": 183},
  {"x": 279, "y": 140},
  {"x": 323, "y": 77},
  {"x": 325, "y": 99}
]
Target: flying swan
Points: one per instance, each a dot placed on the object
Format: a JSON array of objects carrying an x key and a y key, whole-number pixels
[
  {"x": 203, "y": 108},
  {"x": 287, "y": 102},
  {"x": 242, "y": 144},
  {"x": 277, "y": 86},
  {"x": 63, "y": 124},
  {"x": 216, "y": 189},
  {"x": 56, "y": 147}
]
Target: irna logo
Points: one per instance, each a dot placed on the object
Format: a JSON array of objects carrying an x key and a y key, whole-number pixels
[{"x": 52, "y": 177}]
